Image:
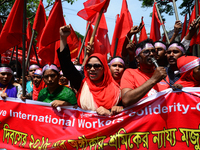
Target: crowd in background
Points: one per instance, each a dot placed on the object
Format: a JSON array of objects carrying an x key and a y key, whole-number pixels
[{"x": 107, "y": 86}]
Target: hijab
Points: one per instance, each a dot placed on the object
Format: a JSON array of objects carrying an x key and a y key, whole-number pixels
[{"x": 106, "y": 93}]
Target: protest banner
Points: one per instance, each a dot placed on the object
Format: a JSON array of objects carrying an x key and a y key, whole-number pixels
[{"x": 166, "y": 120}]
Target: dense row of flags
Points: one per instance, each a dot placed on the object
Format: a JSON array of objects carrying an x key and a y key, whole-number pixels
[{"x": 48, "y": 30}]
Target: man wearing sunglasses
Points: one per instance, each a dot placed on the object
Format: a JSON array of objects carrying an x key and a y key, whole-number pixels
[{"x": 146, "y": 79}]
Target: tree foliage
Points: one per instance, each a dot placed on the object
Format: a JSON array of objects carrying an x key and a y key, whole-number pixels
[
  {"x": 165, "y": 6},
  {"x": 32, "y": 5}
]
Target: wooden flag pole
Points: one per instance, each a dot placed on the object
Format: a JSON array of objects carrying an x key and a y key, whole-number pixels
[
  {"x": 83, "y": 42},
  {"x": 175, "y": 10},
  {"x": 163, "y": 26},
  {"x": 29, "y": 49},
  {"x": 94, "y": 32},
  {"x": 23, "y": 52},
  {"x": 96, "y": 26},
  {"x": 36, "y": 55},
  {"x": 197, "y": 12}
]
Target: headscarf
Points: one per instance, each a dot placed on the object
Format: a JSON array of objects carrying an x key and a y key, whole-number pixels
[
  {"x": 107, "y": 92},
  {"x": 186, "y": 64},
  {"x": 52, "y": 67},
  {"x": 9, "y": 88},
  {"x": 36, "y": 90},
  {"x": 34, "y": 66}
]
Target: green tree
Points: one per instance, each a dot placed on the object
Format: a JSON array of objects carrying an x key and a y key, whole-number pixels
[
  {"x": 32, "y": 5},
  {"x": 165, "y": 6}
]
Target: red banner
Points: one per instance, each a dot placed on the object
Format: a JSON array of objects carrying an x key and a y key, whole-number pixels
[{"x": 167, "y": 120}]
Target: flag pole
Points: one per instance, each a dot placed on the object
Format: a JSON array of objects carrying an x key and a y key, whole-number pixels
[
  {"x": 197, "y": 12},
  {"x": 17, "y": 61},
  {"x": 94, "y": 32},
  {"x": 12, "y": 54},
  {"x": 175, "y": 10},
  {"x": 96, "y": 26},
  {"x": 115, "y": 50},
  {"x": 36, "y": 55},
  {"x": 163, "y": 26},
  {"x": 29, "y": 49},
  {"x": 23, "y": 52},
  {"x": 83, "y": 42}
]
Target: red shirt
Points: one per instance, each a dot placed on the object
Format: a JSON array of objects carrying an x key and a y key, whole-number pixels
[{"x": 133, "y": 78}]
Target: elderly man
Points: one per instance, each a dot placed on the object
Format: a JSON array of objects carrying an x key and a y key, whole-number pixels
[{"x": 146, "y": 79}]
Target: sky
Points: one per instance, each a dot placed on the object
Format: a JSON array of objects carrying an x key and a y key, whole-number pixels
[{"x": 114, "y": 8}]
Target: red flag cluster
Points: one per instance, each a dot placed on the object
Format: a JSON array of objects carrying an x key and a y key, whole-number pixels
[{"x": 122, "y": 27}]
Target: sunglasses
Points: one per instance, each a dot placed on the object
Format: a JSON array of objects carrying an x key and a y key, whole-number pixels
[
  {"x": 95, "y": 66},
  {"x": 147, "y": 52}
]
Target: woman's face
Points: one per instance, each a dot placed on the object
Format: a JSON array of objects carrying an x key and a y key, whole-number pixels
[
  {"x": 51, "y": 78},
  {"x": 63, "y": 80},
  {"x": 37, "y": 79},
  {"x": 5, "y": 78},
  {"x": 31, "y": 73},
  {"x": 116, "y": 70},
  {"x": 196, "y": 73},
  {"x": 95, "y": 70}
]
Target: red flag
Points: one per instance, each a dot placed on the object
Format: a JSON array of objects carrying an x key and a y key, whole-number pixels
[
  {"x": 102, "y": 28},
  {"x": 92, "y": 7},
  {"x": 82, "y": 52},
  {"x": 49, "y": 41},
  {"x": 155, "y": 25},
  {"x": 143, "y": 34},
  {"x": 184, "y": 27},
  {"x": 122, "y": 27},
  {"x": 195, "y": 38},
  {"x": 40, "y": 21},
  {"x": 135, "y": 39},
  {"x": 11, "y": 34},
  {"x": 73, "y": 43},
  {"x": 28, "y": 38},
  {"x": 164, "y": 38}
]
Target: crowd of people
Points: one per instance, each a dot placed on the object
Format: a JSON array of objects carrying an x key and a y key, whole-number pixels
[{"x": 107, "y": 86}]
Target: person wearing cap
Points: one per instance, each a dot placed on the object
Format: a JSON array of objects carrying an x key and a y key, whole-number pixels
[
  {"x": 29, "y": 84},
  {"x": 38, "y": 83},
  {"x": 117, "y": 67},
  {"x": 6, "y": 87},
  {"x": 161, "y": 47},
  {"x": 146, "y": 79},
  {"x": 57, "y": 95},
  {"x": 189, "y": 68}
]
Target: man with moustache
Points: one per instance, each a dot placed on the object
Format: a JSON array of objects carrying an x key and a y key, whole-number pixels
[
  {"x": 176, "y": 50},
  {"x": 146, "y": 79}
]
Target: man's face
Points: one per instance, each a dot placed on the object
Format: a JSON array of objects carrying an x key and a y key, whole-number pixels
[
  {"x": 173, "y": 53},
  {"x": 144, "y": 58},
  {"x": 160, "y": 52}
]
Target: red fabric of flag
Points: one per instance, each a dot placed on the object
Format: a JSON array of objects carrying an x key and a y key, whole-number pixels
[
  {"x": 73, "y": 43},
  {"x": 92, "y": 7},
  {"x": 28, "y": 38},
  {"x": 49, "y": 41},
  {"x": 196, "y": 38},
  {"x": 39, "y": 21},
  {"x": 11, "y": 34},
  {"x": 82, "y": 52},
  {"x": 122, "y": 27},
  {"x": 184, "y": 27},
  {"x": 143, "y": 34},
  {"x": 155, "y": 25}
]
